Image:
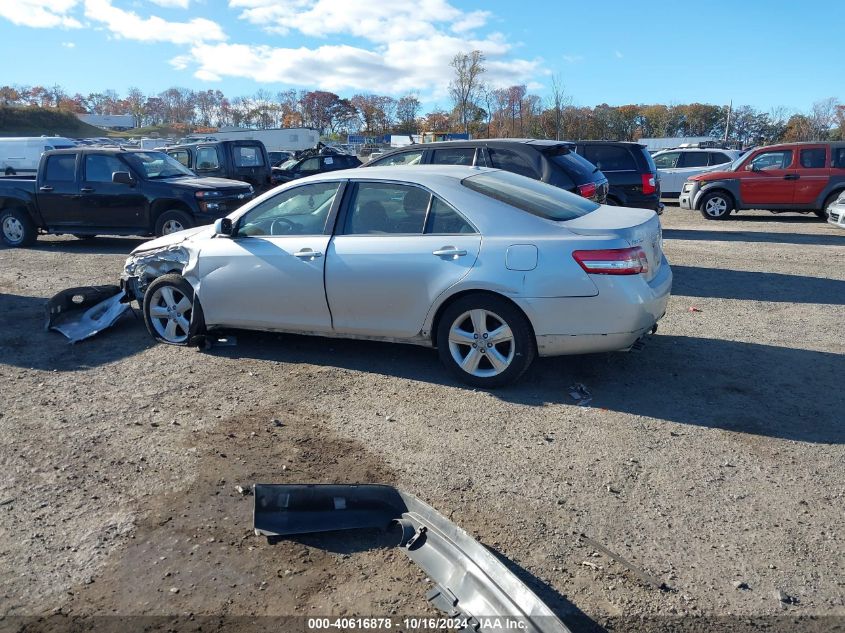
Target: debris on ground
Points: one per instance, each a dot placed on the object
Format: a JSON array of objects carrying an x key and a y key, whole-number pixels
[
  {"x": 80, "y": 313},
  {"x": 639, "y": 573},
  {"x": 580, "y": 394},
  {"x": 741, "y": 585},
  {"x": 694, "y": 309},
  {"x": 467, "y": 575},
  {"x": 244, "y": 491}
]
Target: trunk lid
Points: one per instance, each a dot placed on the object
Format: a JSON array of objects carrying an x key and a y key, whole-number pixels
[{"x": 638, "y": 227}]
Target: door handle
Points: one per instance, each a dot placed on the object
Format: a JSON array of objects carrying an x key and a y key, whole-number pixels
[
  {"x": 307, "y": 253},
  {"x": 791, "y": 177},
  {"x": 449, "y": 251},
  {"x": 86, "y": 190},
  {"x": 45, "y": 188}
]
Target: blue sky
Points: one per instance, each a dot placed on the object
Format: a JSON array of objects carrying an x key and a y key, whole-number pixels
[{"x": 765, "y": 54}]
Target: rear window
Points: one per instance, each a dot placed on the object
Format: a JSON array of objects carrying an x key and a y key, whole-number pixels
[
  {"x": 532, "y": 196},
  {"x": 61, "y": 168},
  {"x": 248, "y": 156},
  {"x": 453, "y": 156},
  {"x": 610, "y": 157},
  {"x": 578, "y": 168}
]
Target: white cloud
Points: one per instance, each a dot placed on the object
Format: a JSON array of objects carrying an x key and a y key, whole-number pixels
[
  {"x": 40, "y": 13},
  {"x": 573, "y": 59},
  {"x": 69, "y": 44},
  {"x": 129, "y": 25},
  {"x": 172, "y": 4}
]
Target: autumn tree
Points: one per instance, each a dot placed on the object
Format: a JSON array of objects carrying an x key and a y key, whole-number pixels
[{"x": 466, "y": 84}]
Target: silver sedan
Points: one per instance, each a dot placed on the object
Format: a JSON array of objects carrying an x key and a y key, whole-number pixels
[{"x": 489, "y": 267}]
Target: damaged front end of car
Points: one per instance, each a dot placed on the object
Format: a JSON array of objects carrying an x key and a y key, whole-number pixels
[{"x": 143, "y": 267}]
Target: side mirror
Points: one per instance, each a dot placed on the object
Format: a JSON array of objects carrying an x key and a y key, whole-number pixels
[
  {"x": 122, "y": 178},
  {"x": 751, "y": 167},
  {"x": 223, "y": 226}
]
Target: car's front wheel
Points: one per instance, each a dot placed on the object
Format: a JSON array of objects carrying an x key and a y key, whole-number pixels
[
  {"x": 716, "y": 205},
  {"x": 172, "y": 221},
  {"x": 485, "y": 340},
  {"x": 16, "y": 229},
  {"x": 169, "y": 310}
]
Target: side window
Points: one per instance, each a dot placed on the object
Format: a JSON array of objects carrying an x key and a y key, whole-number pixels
[
  {"x": 99, "y": 168},
  {"x": 453, "y": 156},
  {"x": 813, "y": 158},
  {"x": 718, "y": 158},
  {"x": 298, "y": 211},
  {"x": 511, "y": 161},
  {"x": 384, "y": 208},
  {"x": 247, "y": 156},
  {"x": 839, "y": 157},
  {"x": 610, "y": 157},
  {"x": 693, "y": 159},
  {"x": 182, "y": 156},
  {"x": 207, "y": 158},
  {"x": 311, "y": 164},
  {"x": 61, "y": 168},
  {"x": 330, "y": 162},
  {"x": 402, "y": 158},
  {"x": 444, "y": 220},
  {"x": 767, "y": 161},
  {"x": 667, "y": 161}
]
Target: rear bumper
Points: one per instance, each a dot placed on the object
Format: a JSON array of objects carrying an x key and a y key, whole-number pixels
[{"x": 624, "y": 310}]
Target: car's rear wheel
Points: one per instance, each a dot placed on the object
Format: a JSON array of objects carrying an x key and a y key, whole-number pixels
[
  {"x": 485, "y": 340},
  {"x": 716, "y": 205},
  {"x": 16, "y": 228},
  {"x": 169, "y": 310},
  {"x": 172, "y": 221},
  {"x": 824, "y": 212}
]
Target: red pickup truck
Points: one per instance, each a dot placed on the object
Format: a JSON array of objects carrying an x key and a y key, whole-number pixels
[{"x": 800, "y": 177}]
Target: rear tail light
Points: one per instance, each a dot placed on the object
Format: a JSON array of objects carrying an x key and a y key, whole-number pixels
[
  {"x": 588, "y": 190},
  {"x": 649, "y": 183},
  {"x": 614, "y": 261}
]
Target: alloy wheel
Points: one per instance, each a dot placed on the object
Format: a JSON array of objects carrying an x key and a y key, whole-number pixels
[
  {"x": 481, "y": 343},
  {"x": 171, "y": 226},
  {"x": 12, "y": 229},
  {"x": 716, "y": 206},
  {"x": 170, "y": 314}
]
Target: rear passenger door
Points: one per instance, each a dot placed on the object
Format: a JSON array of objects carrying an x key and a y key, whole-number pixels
[
  {"x": 813, "y": 173},
  {"x": 396, "y": 249},
  {"x": 58, "y": 192}
]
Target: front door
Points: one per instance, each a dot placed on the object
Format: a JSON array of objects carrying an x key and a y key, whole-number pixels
[
  {"x": 399, "y": 249},
  {"x": 58, "y": 192},
  {"x": 269, "y": 274},
  {"x": 105, "y": 203},
  {"x": 768, "y": 178}
]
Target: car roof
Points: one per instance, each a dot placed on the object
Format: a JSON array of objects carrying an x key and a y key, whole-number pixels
[
  {"x": 605, "y": 142},
  {"x": 418, "y": 174},
  {"x": 697, "y": 149},
  {"x": 480, "y": 142}
]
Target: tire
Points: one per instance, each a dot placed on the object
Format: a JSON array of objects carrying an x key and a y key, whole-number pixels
[
  {"x": 716, "y": 205},
  {"x": 16, "y": 228},
  {"x": 170, "y": 312},
  {"x": 831, "y": 200},
  {"x": 172, "y": 221},
  {"x": 471, "y": 318}
]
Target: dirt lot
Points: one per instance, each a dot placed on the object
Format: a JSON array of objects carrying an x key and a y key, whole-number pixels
[{"x": 712, "y": 460}]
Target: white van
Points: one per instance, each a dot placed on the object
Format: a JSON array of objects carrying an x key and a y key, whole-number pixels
[{"x": 21, "y": 155}]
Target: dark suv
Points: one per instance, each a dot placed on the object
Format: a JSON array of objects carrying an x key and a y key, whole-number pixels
[
  {"x": 315, "y": 161},
  {"x": 246, "y": 161},
  {"x": 630, "y": 171},
  {"x": 553, "y": 162}
]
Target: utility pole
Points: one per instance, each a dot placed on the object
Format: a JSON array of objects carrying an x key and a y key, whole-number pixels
[{"x": 728, "y": 123}]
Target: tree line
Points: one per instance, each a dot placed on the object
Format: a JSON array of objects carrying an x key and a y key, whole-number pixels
[{"x": 475, "y": 107}]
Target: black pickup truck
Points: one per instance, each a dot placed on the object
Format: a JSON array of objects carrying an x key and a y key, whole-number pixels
[
  {"x": 245, "y": 160},
  {"x": 105, "y": 191}
]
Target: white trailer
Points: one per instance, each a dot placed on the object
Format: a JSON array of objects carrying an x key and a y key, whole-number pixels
[
  {"x": 21, "y": 155},
  {"x": 292, "y": 139}
]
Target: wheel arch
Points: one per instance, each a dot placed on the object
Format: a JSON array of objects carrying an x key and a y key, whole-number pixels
[
  {"x": 720, "y": 188},
  {"x": 168, "y": 204},
  {"x": 438, "y": 314}
]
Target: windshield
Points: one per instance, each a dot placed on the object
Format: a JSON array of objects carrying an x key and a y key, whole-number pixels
[
  {"x": 735, "y": 164},
  {"x": 533, "y": 196},
  {"x": 288, "y": 164},
  {"x": 157, "y": 165}
]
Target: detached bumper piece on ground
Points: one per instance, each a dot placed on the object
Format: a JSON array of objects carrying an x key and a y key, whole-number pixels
[
  {"x": 80, "y": 313},
  {"x": 472, "y": 584}
]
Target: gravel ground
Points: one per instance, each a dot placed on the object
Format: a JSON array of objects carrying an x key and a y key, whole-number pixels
[{"x": 712, "y": 460}]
